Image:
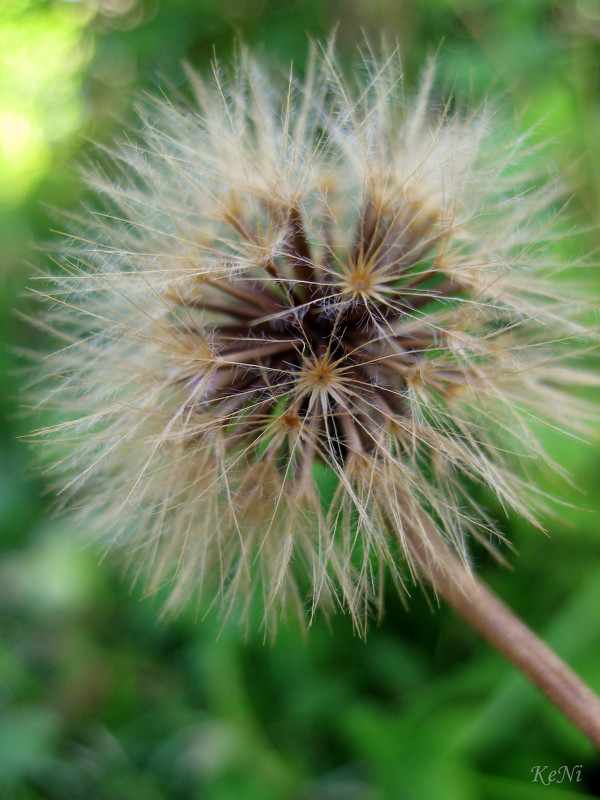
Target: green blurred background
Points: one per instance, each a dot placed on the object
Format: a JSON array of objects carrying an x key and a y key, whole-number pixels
[{"x": 100, "y": 700}]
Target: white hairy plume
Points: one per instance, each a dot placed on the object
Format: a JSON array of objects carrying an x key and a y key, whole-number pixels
[{"x": 304, "y": 319}]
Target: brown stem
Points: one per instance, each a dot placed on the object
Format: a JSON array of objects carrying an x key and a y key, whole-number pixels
[
  {"x": 287, "y": 286},
  {"x": 247, "y": 294},
  {"x": 252, "y": 354},
  {"x": 367, "y": 225},
  {"x": 498, "y": 624},
  {"x": 443, "y": 289},
  {"x": 298, "y": 252},
  {"x": 235, "y": 311}
]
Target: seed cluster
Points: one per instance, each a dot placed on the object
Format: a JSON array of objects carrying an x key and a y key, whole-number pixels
[
  {"x": 309, "y": 340},
  {"x": 304, "y": 324}
]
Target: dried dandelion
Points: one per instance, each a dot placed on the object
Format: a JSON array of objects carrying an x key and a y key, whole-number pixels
[{"x": 330, "y": 285}]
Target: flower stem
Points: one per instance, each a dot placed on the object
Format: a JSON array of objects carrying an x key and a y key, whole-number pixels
[{"x": 485, "y": 612}]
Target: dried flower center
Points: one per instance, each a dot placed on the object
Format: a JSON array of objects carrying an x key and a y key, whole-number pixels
[{"x": 311, "y": 337}]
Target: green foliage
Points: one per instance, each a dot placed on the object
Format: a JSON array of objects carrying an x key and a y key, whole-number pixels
[{"x": 97, "y": 698}]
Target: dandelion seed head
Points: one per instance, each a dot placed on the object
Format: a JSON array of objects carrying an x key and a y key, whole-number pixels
[{"x": 326, "y": 283}]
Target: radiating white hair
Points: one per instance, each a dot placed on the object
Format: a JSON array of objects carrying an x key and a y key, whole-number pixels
[{"x": 304, "y": 321}]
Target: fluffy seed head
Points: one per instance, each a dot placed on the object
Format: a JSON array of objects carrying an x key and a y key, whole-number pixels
[{"x": 305, "y": 322}]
